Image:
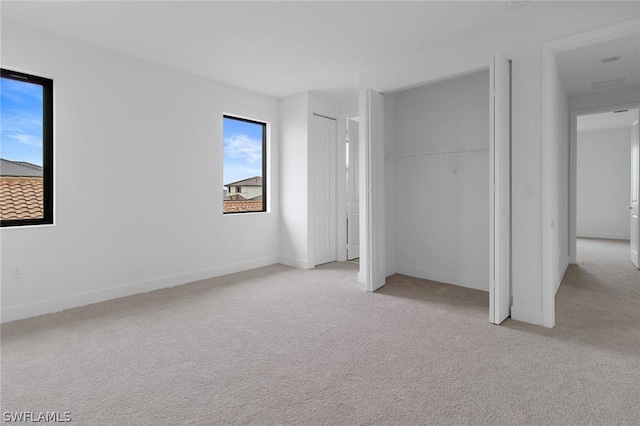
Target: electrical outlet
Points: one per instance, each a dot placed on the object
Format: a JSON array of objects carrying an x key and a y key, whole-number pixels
[
  {"x": 18, "y": 272},
  {"x": 531, "y": 191}
]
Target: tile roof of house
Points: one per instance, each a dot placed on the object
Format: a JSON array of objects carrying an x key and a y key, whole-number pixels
[
  {"x": 242, "y": 206},
  {"x": 21, "y": 197},
  {"x": 253, "y": 181},
  {"x": 19, "y": 168}
]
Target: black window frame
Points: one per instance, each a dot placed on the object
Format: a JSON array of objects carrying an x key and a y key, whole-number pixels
[
  {"x": 47, "y": 148},
  {"x": 264, "y": 161}
]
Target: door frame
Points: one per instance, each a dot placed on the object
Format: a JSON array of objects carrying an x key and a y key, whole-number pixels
[
  {"x": 549, "y": 159},
  {"x": 573, "y": 168},
  {"x": 341, "y": 182}
]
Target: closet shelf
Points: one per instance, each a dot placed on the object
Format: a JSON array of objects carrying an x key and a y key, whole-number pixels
[{"x": 437, "y": 153}]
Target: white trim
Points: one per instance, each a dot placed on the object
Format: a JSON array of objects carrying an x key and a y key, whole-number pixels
[
  {"x": 295, "y": 263},
  {"x": 28, "y": 310},
  {"x": 548, "y": 202},
  {"x": 549, "y": 205},
  {"x": 445, "y": 277}
]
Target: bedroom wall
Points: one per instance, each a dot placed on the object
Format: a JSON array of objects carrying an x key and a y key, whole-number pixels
[{"x": 138, "y": 165}]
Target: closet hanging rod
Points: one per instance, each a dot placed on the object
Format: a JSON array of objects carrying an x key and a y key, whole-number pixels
[
  {"x": 437, "y": 153},
  {"x": 324, "y": 116}
]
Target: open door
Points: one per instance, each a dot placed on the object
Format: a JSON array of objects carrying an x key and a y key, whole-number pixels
[
  {"x": 353, "y": 197},
  {"x": 500, "y": 191},
  {"x": 635, "y": 192},
  {"x": 373, "y": 220}
]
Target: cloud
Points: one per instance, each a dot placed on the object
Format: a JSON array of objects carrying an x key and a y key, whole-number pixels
[
  {"x": 244, "y": 148},
  {"x": 27, "y": 139}
]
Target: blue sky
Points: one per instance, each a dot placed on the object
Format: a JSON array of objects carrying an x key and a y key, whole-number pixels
[
  {"x": 20, "y": 121},
  {"x": 242, "y": 150}
]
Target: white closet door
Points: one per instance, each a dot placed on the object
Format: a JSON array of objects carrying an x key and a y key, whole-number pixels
[
  {"x": 635, "y": 192},
  {"x": 373, "y": 221},
  {"x": 323, "y": 195},
  {"x": 353, "y": 193},
  {"x": 500, "y": 191}
]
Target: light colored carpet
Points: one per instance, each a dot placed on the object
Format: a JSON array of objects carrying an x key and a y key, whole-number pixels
[{"x": 277, "y": 345}]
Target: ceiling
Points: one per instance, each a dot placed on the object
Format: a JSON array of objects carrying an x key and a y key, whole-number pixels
[
  {"x": 607, "y": 120},
  {"x": 581, "y": 67},
  {"x": 283, "y": 48}
]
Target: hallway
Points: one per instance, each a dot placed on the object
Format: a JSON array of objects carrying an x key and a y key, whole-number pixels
[{"x": 599, "y": 298}]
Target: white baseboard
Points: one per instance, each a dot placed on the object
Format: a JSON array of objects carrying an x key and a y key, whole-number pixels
[
  {"x": 444, "y": 277},
  {"x": 295, "y": 263},
  {"x": 29, "y": 310},
  {"x": 526, "y": 314},
  {"x": 362, "y": 278},
  {"x": 604, "y": 235}
]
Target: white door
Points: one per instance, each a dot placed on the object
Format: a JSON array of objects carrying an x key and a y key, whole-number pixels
[
  {"x": 500, "y": 191},
  {"x": 353, "y": 197},
  {"x": 373, "y": 221},
  {"x": 635, "y": 192},
  {"x": 323, "y": 184}
]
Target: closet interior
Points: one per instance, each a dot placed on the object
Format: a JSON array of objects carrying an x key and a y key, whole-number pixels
[{"x": 437, "y": 181}]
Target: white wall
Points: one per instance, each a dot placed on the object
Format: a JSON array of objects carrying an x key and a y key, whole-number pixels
[
  {"x": 294, "y": 237},
  {"x": 441, "y": 203},
  {"x": 604, "y": 183},
  {"x": 138, "y": 152}
]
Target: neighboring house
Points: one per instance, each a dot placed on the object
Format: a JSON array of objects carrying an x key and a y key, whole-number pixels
[
  {"x": 234, "y": 197},
  {"x": 250, "y": 188},
  {"x": 21, "y": 190},
  {"x": 243, "y": 196}
]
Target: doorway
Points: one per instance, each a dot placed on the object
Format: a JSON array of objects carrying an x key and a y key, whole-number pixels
[
  {"x": 582, "y": 73},
  {"x": 606, "y": 179},
  {"x": 348, "y": 188},
  {"x": 446, "y": 191}
]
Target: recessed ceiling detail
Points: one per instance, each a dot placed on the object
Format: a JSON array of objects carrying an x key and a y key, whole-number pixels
[
  {"x": 608, "y": 83},
  {"x": 601, "y": 65}
]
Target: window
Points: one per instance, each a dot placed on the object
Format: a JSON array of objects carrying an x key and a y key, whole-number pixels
[
  {"x": 244, "y": 165},
  {"x": 26, "y": 149}
]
